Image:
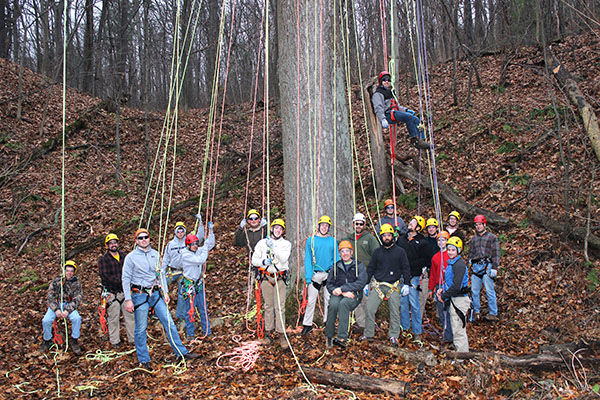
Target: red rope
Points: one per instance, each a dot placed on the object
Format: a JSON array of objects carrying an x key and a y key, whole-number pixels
[
  {"x": 260, "y": 322},
  {"x": 102, "y": 315},
  {"x": 192, "y": 307},
  {"x": 393, "y": 157},
  {"x": 57, "y": 339}
]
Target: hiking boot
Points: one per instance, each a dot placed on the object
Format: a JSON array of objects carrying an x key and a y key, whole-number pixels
[
  {"x": 191, "y": 356},
  {"x": 394, "y": 341},
  {"x": 420, "y": 143},
  {"x": 329, "y": 342},
  {"x": 306, "y": 329},
  {"x": 45, "y": 346},
  {"x": 340, "y": 343},
  {"x": 491, "y": 317},
  {"x": 264, "y": 340},
  {"x": 116, "y": 346},
  {"x": 364, "y": 338},
  {"x": 75, "y": 347},
  {"x": 357, "y": 329},
  {"x": 146, "y": 365},
  {"x": 283, "y": 341}
]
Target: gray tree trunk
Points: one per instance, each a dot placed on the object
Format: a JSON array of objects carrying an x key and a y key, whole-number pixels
[
  {"x": 88, "y": 48},
  {"x": 325, "y": 177}
]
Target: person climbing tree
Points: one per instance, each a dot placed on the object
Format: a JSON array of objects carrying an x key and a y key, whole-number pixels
[
  {"x": 439, "y": 262},
  {"x": 270, "y": 260},
  {"x": 389, "y": 274},
  {"x": 144, "y": 287},
  {"x": 64, "y": 298},
  {"x": 454, "y": 293},
  {"x": 110, "y": 268},
  {"x": 321, "y": 253},
  {"x": 391, "y": 217},
  {"x": 484, "y": 256},
  {"x": 193, "y": 259},
  {"x": 417, "y": 252},
  {"x": 251, "y": 230},
  {"x": 387, "y": 109},
  {"x": 345, "y": 283},
  {"x": 365, "y": 244}
]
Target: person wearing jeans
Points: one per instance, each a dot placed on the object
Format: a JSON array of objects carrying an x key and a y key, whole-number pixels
[
  {"x": 144, "y": 287},
  {"x": 484, "y": 253}
]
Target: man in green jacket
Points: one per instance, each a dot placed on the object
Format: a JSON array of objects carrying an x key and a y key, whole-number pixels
[{"x": 365, "y": 244}]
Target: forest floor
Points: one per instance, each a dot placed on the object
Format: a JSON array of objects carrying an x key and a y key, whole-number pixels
[{"x": 547, "y": 293}]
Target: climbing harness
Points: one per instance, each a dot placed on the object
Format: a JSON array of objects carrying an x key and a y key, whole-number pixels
[{"x": 393, "y": 287}]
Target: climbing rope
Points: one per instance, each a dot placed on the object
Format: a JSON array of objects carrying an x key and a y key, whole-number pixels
[{"x": 242, "y": 357}]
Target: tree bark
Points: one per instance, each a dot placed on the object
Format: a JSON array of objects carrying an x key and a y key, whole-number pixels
[
  {"x": 357, "y": 382},
  {"x": 88, "y": 48},
  {"x": 448, "y": 194},
  {"x": 317, "y": 156},
  {"x": 586, "y": 111}
]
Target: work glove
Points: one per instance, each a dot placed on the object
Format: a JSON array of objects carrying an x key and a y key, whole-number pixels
[
  {"x": 263, "y": 222},
  {"x": 411, "y": 112},
  {"x": 269, "y": 242},
  {"x": 267, "y": 261},
  {"x": 493, "y": 273},
  {"x": 199, "y": 217},
  {"x": 366, "y": 290},
  {"x": 210, "y": 226},
  {"x": 243, "y": 223},
  {"x": 385, "y": 124},
  {"x": 405, "y": 290}
]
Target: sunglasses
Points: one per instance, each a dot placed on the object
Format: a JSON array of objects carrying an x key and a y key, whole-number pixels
[
  {"x": 359, "y": 223},
  {"x": 195, "y": 244},
  {"x": 252, "y": 218},
  {"x": 386, "y": 80},
  {"x": 143, "y": 237},
  {"x": 389, "y": 207}
]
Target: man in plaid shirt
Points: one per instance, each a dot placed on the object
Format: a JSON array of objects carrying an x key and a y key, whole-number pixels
[
  {"x": 484, "y": 256},
  {"x": 110, "y": 267}
]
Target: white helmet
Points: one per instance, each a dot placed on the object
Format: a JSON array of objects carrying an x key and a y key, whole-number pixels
[{"x": 359, "y": 217}]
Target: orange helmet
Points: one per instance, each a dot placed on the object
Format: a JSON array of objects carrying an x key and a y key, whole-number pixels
[
  {"x": 445, "y": 234},
  {"x": 388, "y": 202},
  {"x": 141, "y": 230},
  {"x": 345, "y": 244}
]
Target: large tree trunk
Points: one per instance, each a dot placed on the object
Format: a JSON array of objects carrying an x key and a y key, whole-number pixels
[
  {"x": 4, "y": 29},
  {"x": 317, "y": 157},
  {"x": 88, "y": 48},
  {"x": 357, "y": 382}
]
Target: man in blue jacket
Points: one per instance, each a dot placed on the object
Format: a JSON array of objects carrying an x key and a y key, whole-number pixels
[
  {"x": 321, "y": 253},
  {"x": 345, "y": 283},
  {"x": 144, "y": 287}
]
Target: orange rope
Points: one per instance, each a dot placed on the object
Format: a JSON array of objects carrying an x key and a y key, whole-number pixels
[
  {"x": 102, "y": 315},
  {"x": 260, "y": 322},
  {"x": 57, "y": 339}
]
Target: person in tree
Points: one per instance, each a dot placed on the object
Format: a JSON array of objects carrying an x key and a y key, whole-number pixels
[
  {"x": 431, "y": 238},
  {"x": 193, "y": 261},
  {"x": 110, "y": 268},
  {"x": 439, "y": 262},
  {"x": 391, "y": 217},
  {"x": 64, "y": 298},
  {"x": 365, "y": 244},
  {"x": 270, "y": 260},
  {"x": 387, "y": 109},
  {"x": 345, "y": 283},
  {"x": 484, "y": 256},
  {"x": 144, "y": 287},
  {"x": 417, "y": 251},
  {"x": 251, "y": 230},
  {"x": 453, "y": 225},
  {"x": 388, "y": 273},
  {"x": 320, "y": 255},
  {"x": 454, "y": 293}
]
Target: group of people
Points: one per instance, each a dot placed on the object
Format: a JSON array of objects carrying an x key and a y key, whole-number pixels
[
  {"x": 403, "y": 264},
  {"x": 136, "y": 285}
]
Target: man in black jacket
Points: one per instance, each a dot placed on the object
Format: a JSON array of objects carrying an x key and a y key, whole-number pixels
[
  {"x": 390, "y": 272},
  {"x": 345, "y": 283},
  {"x": 417, "y": 251}
]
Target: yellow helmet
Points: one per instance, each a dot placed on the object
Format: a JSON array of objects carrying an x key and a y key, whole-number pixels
[
  {"x": 71, "y": 263},
  {"x": 109, "y": 237},
  {"x": 456, "y": 242},
  {"x": 432, "y": 221},
  {"x": 345, "y": 244},
  {"x": 454, "y": 214},
  {"x": 325, "y": 219},
  {"x": 278, "y": 221},
  {"x": 420, "y": 220},
  {"x": 180, "y": 224},
  {"x": 253, "y": 211},
  {"x": 386, "y": 228}
]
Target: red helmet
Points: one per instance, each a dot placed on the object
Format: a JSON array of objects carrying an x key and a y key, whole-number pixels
[
  {"x": 480, "y": 218},
  {"x": 381, "y": 75},
  {"x": 189, "y": 239}
]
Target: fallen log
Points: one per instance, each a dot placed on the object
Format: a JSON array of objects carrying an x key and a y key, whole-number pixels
[
  {"x": 570, "y": 231},
  {"x": 357, "y": 382},
  {"x": 413, "y": 356},
  {"x": 586, "y": 111},
  {"x": 448, "y": 194},
  {"x": 533, "y": 361}
]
